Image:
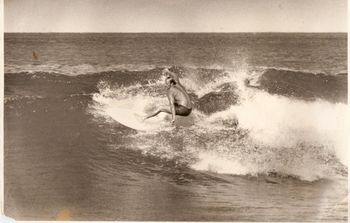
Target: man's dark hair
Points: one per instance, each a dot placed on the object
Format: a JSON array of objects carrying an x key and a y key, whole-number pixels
[{"x": 172, "y": 81}]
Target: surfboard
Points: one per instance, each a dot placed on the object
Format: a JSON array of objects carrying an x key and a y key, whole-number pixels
[{"x": 133, "y": 120}]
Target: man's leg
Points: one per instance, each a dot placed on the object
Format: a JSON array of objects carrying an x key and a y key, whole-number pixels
[{"x": 157, "y": 112}]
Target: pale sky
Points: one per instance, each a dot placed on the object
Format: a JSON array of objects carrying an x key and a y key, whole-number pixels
[{"x": 175, "y": 15}]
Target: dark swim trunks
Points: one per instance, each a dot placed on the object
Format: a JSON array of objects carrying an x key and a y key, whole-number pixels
[{"x": 182, "y": 110}]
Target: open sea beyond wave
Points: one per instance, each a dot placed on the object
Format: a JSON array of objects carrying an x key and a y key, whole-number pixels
[{"x": 267, "y": 139}]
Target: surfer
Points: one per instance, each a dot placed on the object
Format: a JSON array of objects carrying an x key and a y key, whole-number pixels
[{"x": 179, "y": 100}]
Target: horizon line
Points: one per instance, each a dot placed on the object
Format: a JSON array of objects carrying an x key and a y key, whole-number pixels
[{"x": 183, "y": 32}]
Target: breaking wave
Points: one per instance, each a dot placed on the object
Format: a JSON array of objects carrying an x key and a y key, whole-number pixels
[{"x": 241, "y": 128}]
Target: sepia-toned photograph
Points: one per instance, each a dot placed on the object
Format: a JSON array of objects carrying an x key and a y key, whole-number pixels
[{"x": 175, "y": 110}]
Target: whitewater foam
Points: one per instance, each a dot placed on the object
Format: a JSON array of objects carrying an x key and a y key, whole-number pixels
[{"x": 280, "y": 121}]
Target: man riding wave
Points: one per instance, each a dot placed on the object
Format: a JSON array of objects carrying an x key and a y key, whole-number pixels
[{"x": 179, "y": 100}]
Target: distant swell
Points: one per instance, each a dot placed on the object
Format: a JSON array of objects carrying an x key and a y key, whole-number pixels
[{"x": 73, "y": 70}]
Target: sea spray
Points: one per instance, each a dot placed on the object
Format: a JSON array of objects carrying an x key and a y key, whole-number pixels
[{"x": 261, "y": 134}]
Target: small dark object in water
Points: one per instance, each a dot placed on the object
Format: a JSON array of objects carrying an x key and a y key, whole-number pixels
[{"x": 35, "y": 56}]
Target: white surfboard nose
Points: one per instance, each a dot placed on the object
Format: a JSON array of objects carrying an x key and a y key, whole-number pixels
[{"x": 133, "y": 120}]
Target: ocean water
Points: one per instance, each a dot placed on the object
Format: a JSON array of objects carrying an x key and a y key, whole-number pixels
[{"x": 266, "y": 141}]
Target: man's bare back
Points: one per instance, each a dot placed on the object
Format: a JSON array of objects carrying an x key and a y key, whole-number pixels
[
  {"x": 180, "y": 96},
  {"x": 179, "y": 100}
]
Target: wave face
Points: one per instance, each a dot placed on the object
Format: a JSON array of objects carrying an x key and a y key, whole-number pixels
[{"x": 305, "y": 85}]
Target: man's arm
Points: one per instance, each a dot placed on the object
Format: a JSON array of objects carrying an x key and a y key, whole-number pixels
[
  {"x": 172, "y": 75},
  {"x": 172, "y": 106}
]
